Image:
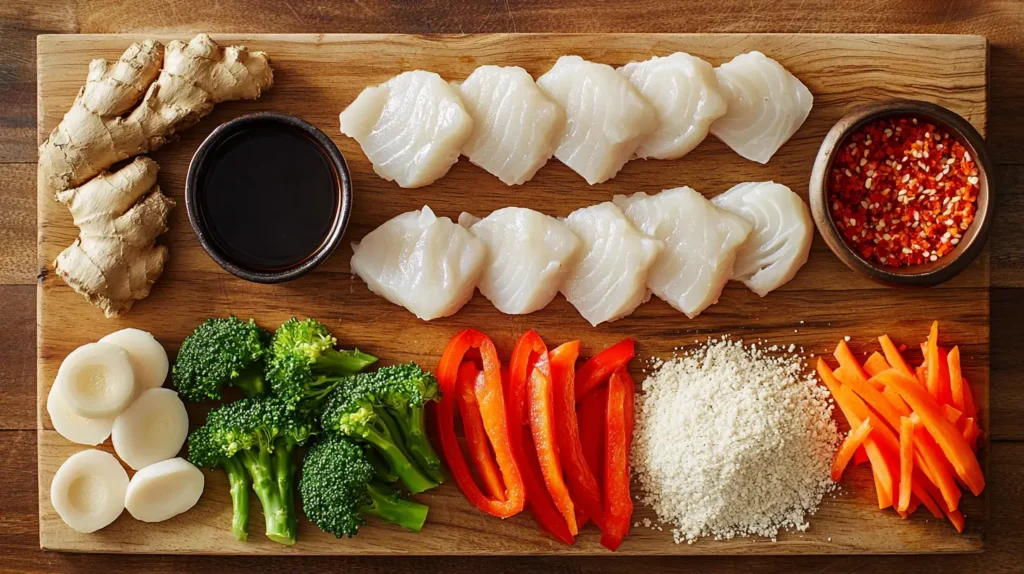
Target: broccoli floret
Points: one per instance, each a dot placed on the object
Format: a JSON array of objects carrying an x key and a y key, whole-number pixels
[
  {"x": 339, "y": 489},
  {"x": 405, "y": 390},
  {"x": 353, "y": 410},
  {"x": 221, "y": 352},
  {"x": 254, "y": 441},
  {"x": 304, "y": 367}
]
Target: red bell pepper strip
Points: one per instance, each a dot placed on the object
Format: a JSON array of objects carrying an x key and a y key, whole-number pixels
[
  {"x": 590, "y": 413},
  {"x": 492, "y": 411},
  {"x": 596, "y": 371},
  {"x": 582, "y": 484},
  {"x": 530, "y": 385},
  {"x": 618, "y": 503},
  {"x": 473, "y": 425},
  {"x": 542, "y": 508}
]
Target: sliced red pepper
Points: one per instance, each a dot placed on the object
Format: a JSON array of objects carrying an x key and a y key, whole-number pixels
[
  {"x": 596, "y": 371},
  {"x": 492, "y": 411},
  {"x": 591, "y": 416},
  {"x": 470, "y": 376},
  {"x": 618, "y": 503},
  {"x": 582, "y": 483},
  {"x": 542, "y": 508},
  {"x": 530, "y": 385}
]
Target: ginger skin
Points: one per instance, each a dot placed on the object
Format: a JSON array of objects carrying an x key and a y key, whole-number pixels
[{"x": 126, "y": 109}]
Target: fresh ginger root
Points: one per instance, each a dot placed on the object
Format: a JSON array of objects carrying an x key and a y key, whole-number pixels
[{"x": 115, "y": 260}]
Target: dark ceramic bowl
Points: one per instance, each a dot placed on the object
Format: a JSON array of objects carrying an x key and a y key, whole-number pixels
[
  {"x": 342, "y": 182},
  {"x": 973, "y": 240}
]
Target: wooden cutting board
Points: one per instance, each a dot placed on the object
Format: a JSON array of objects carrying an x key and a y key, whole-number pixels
[{"x": 316, "y": 76}]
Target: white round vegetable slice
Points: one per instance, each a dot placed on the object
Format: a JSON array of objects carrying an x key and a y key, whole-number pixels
[
  {"x": 146, "y": 354},
  {"x": 164, "y": 489},
  {"x": 152, "y": 429},
  {"x": 73, "y": 426},
  {"x": 88, "y": 490},
  {"x": 96, "y": 380}
]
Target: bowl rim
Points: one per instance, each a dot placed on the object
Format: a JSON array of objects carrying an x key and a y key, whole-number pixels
[
  {"x": 343, "y": 181},
  {"x": 973, "y": 241}
]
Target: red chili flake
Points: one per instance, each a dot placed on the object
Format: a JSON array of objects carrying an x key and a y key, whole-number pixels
[{"x": 902, "y": 191}]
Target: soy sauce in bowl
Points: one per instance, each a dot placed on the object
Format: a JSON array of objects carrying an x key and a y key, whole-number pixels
[{"x": 268, "y": 196}]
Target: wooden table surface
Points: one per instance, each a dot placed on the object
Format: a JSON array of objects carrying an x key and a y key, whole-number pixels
[{"x": 1002, "y": 22}]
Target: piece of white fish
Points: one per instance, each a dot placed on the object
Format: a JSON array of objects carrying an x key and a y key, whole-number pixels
[
  {"x": 422, "y": 262},
  {"x": 606, "y": 117},
  {"x": 412, "y": 127},
  {"x": 516, "y": 126},
  {"x": 684, "y": 91},
  {"x": 529, "y": 255},
  {"x": 609, "y": 279},
  {"x": 781, "y": 241},
  {"x": 701, "y": 242},
  {"x": 767, "y": 105}
]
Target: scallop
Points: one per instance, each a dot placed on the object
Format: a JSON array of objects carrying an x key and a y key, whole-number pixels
[
  {"x": 781, "y": 240},
  {"x": 766, "y": 106},
  {"x": 88, "y": 490},
  {"x": 152, "y": 429}
]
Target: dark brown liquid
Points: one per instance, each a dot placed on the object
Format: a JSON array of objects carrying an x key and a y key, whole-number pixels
[{"x": 269, "y": 197}]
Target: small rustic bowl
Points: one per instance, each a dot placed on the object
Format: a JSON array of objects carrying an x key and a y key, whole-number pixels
[
  {"x": 973, "y": 240},
  {"x": 342, "y": 182}
]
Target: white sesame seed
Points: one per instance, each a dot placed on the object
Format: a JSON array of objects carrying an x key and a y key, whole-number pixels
[
  {"x": 863, "y": 161},
  {"x": 934, "y": 257}
]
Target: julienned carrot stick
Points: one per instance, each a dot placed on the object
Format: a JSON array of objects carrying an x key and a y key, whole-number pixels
[
  {"x": 850, "y": 445},
  {"x": 931, "y": 361},
  {"x": 875, "y": 364},
  {"x": 906, "y": 463},
  {"x": 935, "y": 465},
  {"x": 859, "y": 456},
  {"x": 969, "y": 407},
  {"x": 951, "y": 441},
  {"x": 896, "y": 401},
  {"x": 871, "y": 395},
  {"x": 848, "y": 362},
  {"x": 957, "y": 518},
  {"x": 922, "y": 489},
  {"x": 893, "y": 355},
  {"x": 956, "y": 381},
  {"x": 971, "y": 432},
  {"x": 952, "y": 415},
  {"x": 884, "y": 496}
]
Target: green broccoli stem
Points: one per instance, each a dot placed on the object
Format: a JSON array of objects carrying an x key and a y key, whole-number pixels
[
  {"x": 387, "y": 505},
  {"x": 319, "y": 388},
  {"x": 380, "y": 466},
  {"x": 343, "y": 362},
  {"x": 284, "y": 472},
  {"x": 264, "y": 483},
  {"x": 240, "y": 483},
  {"x": 414, "y": 479},
  {"x": 251, "y": 381},
  {"x": 412, "y": 424}
]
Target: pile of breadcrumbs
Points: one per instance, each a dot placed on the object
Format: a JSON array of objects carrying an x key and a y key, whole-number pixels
[{"x": 733, "y": 440}]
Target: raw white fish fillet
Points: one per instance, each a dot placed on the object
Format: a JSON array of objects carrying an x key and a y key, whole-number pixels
[
  {"x": 701, "y": 243},
  {"x": 684, "y": 91},
  {"x": 515, "y": 125},
  {"x": 606, "y": 117},
  {"x": 609, "y": 279},
  {"x": 767, "y": 104},
  {"x": 412, "y": 127},
  {"x": 781, "y": 241},
  {"x": 422, "y": 262},
  {"x": 529, "y": 255}
]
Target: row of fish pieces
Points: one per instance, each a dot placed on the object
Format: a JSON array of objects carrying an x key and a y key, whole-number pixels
[
  {"x": 606, "y": 259},
  {"x": 590, "y": 116}
]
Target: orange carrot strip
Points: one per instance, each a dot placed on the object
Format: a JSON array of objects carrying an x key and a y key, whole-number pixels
[
  {"x": 971, "y": 432},
  {"x": 850, "y": 445},
  {"x": 859, "y": 456},
  {"x": 906, "y": 463},
  {"x": 951, "y": 441},
  {"x": 922, "y": 489},
  {"x": 884, "y": 496},
  {"x": 969, "y": 407},
  {"x": 875, "y": 364},
  {"x": 848, "y": 362},
  {"x": 931, "y": 361},
  {"x": 893, "y": 355},
  {"x": 935, "y": 465},
  {"x": 920, "y": 375},
  {"x": 957, "y": 518},
  {"x": 871, "y": 395},
  {"x": 951, "y": 414},
  {"x": 896, "y": 401},
  {"x": 956, "y": 381}
]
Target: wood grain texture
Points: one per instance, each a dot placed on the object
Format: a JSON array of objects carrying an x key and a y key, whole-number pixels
[
  {"x": 318, "y": 76},
  {"x": 18, "y": 224}
]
